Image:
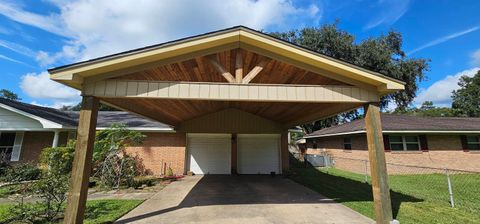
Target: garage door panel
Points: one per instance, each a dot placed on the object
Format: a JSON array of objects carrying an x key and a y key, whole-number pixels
[
  {"x": 209, "y": 153},
  {"x": 258, "y": 154}
]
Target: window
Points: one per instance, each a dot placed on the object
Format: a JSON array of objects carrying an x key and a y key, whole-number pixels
[
  {"x": 404, "y": 143},
  {"x": 347, "y": 143},
  {"x": 7, "y": 140},
  {"x": 314, "y": 145},
  {"x": 473, "y": 142}
]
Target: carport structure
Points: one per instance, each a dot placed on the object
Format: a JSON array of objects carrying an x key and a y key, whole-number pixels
[{"x": 234, "y": 81}]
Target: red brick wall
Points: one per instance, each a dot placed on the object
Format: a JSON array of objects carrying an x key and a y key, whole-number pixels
[
  {"x": 445, "y": 151},
  {"x": 160, "y": 151},
  {"x": 35, "y": 142}
]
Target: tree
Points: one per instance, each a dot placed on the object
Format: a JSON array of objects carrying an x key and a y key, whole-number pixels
[
  {"x": 382, "y": 54},
  {"x": 7, "y": 94},
  {"x": 77, "y": 107},
  {"x": 467, "y": 98},
  {"x": 427, "y": 109}
]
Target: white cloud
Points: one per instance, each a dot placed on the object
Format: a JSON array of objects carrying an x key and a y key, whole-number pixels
[
  {"x": 440, "y": 92},
  {"x": 39, "y": 86},
  {"x": 20, "y": 49},
  {"x": 14, "y": 11},
  {"x": 100, "y": 27},
  {"x": 94, "y": 28},
  {"x": 388, "y": 12},
  {"x": 13, "y": 60},
  {"x": 444, "y": 39},
  {"x": 475, "y": 58}
]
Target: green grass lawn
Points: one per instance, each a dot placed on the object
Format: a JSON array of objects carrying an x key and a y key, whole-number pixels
[
  {"x": 415, "y": 198},
  {"x": 6, "y": 191},
  {"x": 98, "y": 211}
]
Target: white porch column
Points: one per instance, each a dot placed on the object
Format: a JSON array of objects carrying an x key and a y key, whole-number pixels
[{"x": 55, "y": 138}]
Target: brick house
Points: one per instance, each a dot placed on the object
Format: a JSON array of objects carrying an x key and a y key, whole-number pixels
[
  {"x": 26, "y": 129},
  {"x": 438, "y": 142}
]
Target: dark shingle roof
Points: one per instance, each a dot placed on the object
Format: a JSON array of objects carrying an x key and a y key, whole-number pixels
[
  {"x": 46, "y": 113},
  {"x": 70, "y": 118},
  {"x": 107, "y": 118},
  {"x": 392, "y": 122}
]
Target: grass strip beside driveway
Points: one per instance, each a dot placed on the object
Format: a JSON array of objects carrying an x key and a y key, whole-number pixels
[
  {"x": 98, "y": 211},
  {"x": 412, "y": 202}
]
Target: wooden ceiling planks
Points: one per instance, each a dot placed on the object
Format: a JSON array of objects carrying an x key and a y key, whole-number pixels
[
  {"x": 200, "y": 70},
  {"x": 173, "y": 112}
]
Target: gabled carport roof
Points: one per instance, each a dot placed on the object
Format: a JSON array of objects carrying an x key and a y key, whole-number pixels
[{"x": 235, "y": 37}]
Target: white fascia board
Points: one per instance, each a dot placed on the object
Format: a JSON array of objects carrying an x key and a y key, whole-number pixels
[
  {"x": 432, "y": 132},
  {"x": 37, "y": 129},
  {"x": 336, "y": 134},
  {"x": 45, "y": 123},
  {"x": 399, "y": 132}
]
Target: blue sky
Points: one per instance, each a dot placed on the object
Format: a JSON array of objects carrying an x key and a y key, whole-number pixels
[{"x": 36, "y": 35}]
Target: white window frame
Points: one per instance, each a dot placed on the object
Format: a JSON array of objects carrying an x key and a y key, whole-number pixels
[
  {"x": 15, "y": 148},
  {"x": 473, "y": 143},
  {"x": 404, "y": 142}
]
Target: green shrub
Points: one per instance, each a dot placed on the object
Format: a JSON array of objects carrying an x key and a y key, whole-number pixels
[
  {"x": 58, "y": 159},
  {"x": 169, "y": 172},
  {"x": 21, "y": 172}
]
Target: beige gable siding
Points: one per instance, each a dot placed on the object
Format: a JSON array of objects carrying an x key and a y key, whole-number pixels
[
  {"x": 230, "y": 121},
  {"x": 10, "y": 121}
]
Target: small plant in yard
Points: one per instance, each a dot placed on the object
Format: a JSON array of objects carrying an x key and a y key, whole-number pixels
[
  {"x": 51, "y": 188},
  {"x": 21, "y": 172}
]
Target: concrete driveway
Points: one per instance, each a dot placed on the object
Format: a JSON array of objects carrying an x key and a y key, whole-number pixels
[{"x": 240, "y": 199}]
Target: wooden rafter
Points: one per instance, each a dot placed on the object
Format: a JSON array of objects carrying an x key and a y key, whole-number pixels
[
  {"x": 238, "y": 66},
  {"x": 255, "y": 71},
  {"x": 216, "y": 64}
]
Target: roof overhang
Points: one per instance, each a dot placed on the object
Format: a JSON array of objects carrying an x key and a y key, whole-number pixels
[
  {"x": 47, "y": 124},
  {"x": 75, "y": 75}
]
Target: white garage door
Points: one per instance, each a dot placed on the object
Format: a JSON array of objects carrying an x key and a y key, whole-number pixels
[
  {"x": 209, "y": 153},
  {"x": 258, "y": 153}
]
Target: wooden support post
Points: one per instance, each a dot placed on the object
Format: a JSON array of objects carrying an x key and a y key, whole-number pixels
[
  {"x": 238, "y": 67},
  {"x": 82, "y": 162},
  {"x": 378, "y": 166}
]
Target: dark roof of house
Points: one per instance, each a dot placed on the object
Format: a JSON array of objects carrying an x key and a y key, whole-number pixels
[
  {"x": 46, "y": 113},
  {"x": 391, "y": 122},
  {"x": 107, "y": 118},
  {"x": 70, "y": 118}
]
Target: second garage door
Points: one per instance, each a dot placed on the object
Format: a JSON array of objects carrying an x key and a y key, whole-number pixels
[
  {"x": 209, "y": 153},
  {"x": 258, "y": 153}
]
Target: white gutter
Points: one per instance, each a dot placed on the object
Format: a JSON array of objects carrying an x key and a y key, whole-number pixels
[{"x": 399, "y": 132}]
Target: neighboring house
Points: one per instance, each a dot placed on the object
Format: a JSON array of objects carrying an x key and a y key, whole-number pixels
[
  {"x": 26, "y": 129},
  {"x": 441, "y": 142}
]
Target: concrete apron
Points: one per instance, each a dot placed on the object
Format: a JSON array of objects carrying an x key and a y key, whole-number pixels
[{"x": 240, "y": 199}]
